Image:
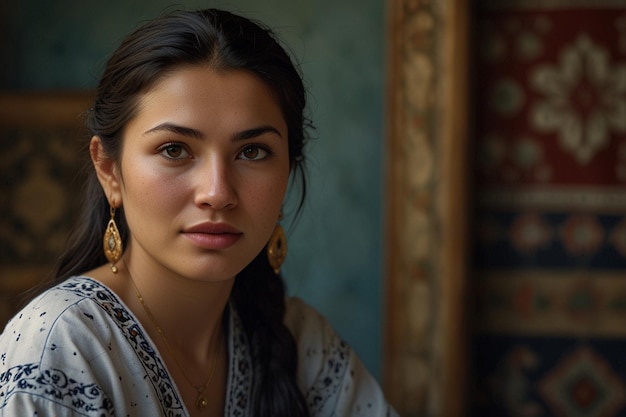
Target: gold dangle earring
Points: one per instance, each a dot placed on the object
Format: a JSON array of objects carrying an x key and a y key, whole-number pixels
[
  {"x": 112, "y": 242},
  {"x": 277, "y": 247}
]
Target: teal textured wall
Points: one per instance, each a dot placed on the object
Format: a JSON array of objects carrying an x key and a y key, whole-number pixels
[{"x": 334, "y": 259}]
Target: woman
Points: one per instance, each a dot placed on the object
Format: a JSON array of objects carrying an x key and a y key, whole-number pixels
[{"x": 168, "y": 300}]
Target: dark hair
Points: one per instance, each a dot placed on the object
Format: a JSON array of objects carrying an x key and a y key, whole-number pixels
[{"x": 225, "y": 42}]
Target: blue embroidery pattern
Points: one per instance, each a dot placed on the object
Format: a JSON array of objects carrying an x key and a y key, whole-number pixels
[
  {"x": 240, "y": 370},
  {"x": 328, "y": 383},
  {"x": 54, "y": 385}
]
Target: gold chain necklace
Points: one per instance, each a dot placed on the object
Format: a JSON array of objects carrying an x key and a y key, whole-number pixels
[{"x": 201, "y": 400}]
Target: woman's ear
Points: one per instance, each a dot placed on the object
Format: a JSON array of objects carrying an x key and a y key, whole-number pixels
[{"x": 107, "y": 172}]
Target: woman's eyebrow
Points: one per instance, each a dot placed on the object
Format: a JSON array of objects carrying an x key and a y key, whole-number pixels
[
  {"x": 197, "y": 134},
  {"x": 176, "y": 129},
  {"x": 256, "y": 132}
]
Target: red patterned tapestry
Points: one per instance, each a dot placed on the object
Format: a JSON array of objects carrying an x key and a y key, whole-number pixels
[{"x": 550, "y": 228}]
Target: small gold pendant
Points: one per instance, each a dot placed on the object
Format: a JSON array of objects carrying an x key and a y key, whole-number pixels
[{"x": 201, "y": 401}]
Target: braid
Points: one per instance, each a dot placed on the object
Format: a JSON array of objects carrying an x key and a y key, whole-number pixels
[{"x": 259, "y": 297}]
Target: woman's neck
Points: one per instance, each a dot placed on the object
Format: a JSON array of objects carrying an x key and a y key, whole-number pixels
[{"x": 188, "y": 312}]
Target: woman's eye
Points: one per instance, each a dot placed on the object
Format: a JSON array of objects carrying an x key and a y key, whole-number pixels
[
  {"x": 174, "y": 151},
  {"x": 254, "y": 153}
]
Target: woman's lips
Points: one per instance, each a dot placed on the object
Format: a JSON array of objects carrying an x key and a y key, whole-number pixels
[{"x": 213, "y": 236}]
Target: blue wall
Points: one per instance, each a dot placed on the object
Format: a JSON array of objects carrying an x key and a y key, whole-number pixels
[{"x": 334, "y": 259}]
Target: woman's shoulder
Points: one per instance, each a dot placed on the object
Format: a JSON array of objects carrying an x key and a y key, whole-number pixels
[
  {"x": 67, "y": 307},
  {"x": 332, "y": 377},
  {"x": 58, "y": 299},
  {"x": 323, "y": 356},
  {"x": 304, "y": 321},
  {"x": 297, "y": 310},
  {"x": 68, "y": 349}
]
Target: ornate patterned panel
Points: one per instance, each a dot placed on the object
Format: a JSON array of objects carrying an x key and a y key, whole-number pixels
[
  {"x": 41, "y": 136},
  {"x": 550, "y": 258}
]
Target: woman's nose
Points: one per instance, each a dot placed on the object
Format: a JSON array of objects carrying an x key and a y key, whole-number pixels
[{"x": 215, "y": 185}]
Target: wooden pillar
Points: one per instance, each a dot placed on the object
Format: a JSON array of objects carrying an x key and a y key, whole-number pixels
[{"x": 427, "y": 181}]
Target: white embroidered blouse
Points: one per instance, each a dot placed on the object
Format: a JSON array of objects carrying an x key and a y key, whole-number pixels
[{"x": 77, "y": 350}]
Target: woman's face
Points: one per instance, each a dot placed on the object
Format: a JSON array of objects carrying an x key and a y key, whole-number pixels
[{"x": 204, "y": 169}]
